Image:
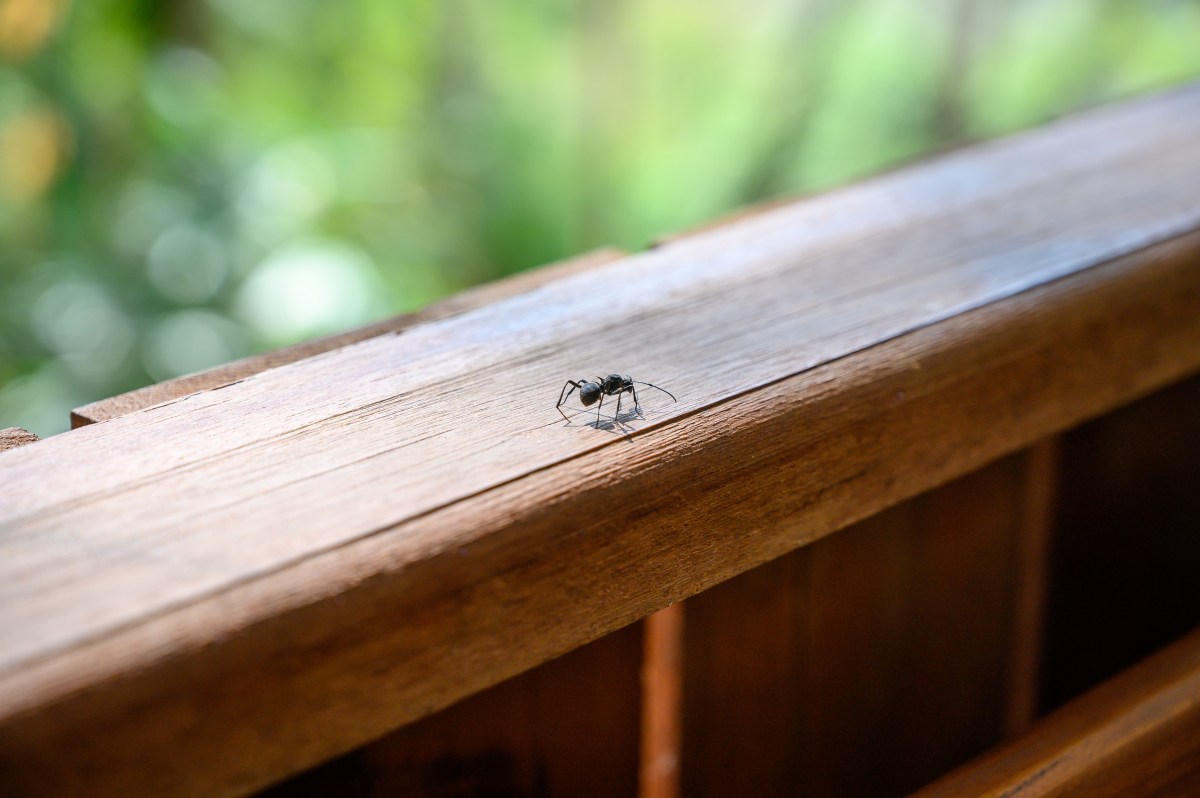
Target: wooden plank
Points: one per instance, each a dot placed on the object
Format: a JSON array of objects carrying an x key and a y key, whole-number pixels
[
  {"x": 277, "y": 571},
  {"x": 1136, "y": 735},
  {"x": 867, "y": 663},
  {"x": 743, "y": 659},
  {"x": 12, "y": 437},
  {"x": 568, "y": 727},
  {"x": 219, "y": 377}
]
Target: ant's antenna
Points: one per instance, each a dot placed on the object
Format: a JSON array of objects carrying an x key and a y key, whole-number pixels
[{"x": 664, "y": 390}]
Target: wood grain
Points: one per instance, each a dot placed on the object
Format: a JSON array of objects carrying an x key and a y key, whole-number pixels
[
  {"x": 272, "y": 573},
  {"x": 1136, "y": 735},
  {"x": 170, "y": 390},
  {"x": 867, "y": 663}
]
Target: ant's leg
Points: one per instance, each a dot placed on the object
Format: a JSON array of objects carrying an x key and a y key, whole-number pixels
[
  {"x": 598, "y": 408},
  {"x": 637, "y": 406},
  {"x": 564, "y": 395},
  {"x": 617, "y": 415}
]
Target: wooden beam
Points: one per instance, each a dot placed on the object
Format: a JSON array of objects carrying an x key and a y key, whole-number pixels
[
  {"x": 247, "y": 581},
  {"x": 171, "y": 390},
  {"x": 1137, "y": 734}
]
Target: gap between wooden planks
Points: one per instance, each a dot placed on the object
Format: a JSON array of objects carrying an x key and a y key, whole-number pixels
[
  {"x": 1136, "y": 734},
  {"x": 281, "y": 569}
]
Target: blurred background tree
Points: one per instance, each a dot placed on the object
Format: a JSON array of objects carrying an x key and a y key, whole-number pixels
[{"x": 184, "y": 182}]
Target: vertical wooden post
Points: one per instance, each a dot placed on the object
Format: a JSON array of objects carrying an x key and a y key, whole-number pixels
[
  {"x": 662, "y": 708},
  {"x": 1034, "y": 534}
]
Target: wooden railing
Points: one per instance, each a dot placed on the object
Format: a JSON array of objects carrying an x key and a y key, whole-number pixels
[{"x": 237, "y": 576}]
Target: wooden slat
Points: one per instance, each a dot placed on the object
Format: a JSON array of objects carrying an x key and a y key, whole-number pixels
[
  {"x": 865, "y": 664},
  {"x": 274, "y": 572},
  {"x": 171, "y": 390},
  {"x": 568, "y": 727},
  {"x": 1136, "y": 735},
  {"x": 744, "y": 659}
]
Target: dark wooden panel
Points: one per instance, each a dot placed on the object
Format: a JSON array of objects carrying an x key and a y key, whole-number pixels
[
  {"x": 742, "y": 681},
  {"x": 868, "y": 663},
  {"x": 569, "y": 727},
  {"x": 1126, "y": 566}
]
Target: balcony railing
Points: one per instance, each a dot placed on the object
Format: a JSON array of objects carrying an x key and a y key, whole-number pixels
[{"x": 866, "y": 492}]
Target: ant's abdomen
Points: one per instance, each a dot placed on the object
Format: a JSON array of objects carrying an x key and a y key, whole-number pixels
[{"x": 589, "y": 392}]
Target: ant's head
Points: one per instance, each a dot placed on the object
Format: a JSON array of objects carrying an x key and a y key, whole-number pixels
[
  {"x": 589, "y": 392},
  {"x": 614, "y": 382}
]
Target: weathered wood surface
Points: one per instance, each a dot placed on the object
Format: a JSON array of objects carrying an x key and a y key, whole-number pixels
[
  {"x": 12, "y": 437},
  {"x": 1136, "y": 735},
  {"x": 244, "y": 582},
  {"x": 170, "y": 390}
]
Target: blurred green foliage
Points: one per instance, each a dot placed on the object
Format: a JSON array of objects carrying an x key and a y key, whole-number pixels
[{"x": 183, "y": 182}]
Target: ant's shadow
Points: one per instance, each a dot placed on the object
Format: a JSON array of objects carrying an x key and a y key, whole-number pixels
[{"x": 615, "y": 424}]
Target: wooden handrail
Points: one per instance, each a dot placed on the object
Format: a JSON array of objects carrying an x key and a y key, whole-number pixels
[{"x": 203, "y": 596}]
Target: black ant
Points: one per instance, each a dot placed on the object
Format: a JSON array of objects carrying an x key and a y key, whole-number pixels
[{"x": 613, "y": 385}]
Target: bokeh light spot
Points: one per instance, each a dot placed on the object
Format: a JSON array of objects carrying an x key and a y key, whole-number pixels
[
  {"x": 33, "y": 143},
  {"x": 188, "y": 341},
  {"x": 25, "y": 25},
  {"x": 310, "y": 288},
  {"x": 187, "y": 264}
]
